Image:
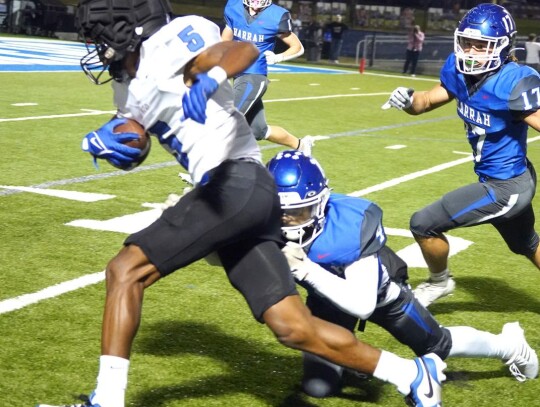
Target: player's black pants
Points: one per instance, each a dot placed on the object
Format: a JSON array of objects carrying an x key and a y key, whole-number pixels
[{"x": 236, "y": 214}]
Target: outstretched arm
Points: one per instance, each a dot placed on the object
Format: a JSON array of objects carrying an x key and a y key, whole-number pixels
[
  {"x": 233, "y": 57},
  {"x": 425, "y": 101},
  {"x": 208, "y": 70},
  {"x": 415, "y": 103}
]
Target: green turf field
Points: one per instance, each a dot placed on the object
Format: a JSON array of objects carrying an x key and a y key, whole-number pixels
[{"x": 198, "y": 344}]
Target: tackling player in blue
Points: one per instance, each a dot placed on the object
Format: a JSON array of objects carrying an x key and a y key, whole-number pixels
[
  {"x": 337, "y": 251},
  {"x": 262, "y": 23},
  {"x": 498, "y": 100}
]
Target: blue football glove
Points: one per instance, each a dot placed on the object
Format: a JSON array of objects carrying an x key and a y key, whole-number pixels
[
  {"x": 194, "y": 101},
  {"x": 105, "y": 143}
]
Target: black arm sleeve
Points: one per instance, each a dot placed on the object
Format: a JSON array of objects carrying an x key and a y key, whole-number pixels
[
  {"x": 524, "y": 97},
  {"x": 372, "y": 234},
  {"x": 285, "y": 24}
]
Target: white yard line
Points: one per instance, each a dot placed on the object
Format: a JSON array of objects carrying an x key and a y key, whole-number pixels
[
  {"x": 24, "y": 300},
  {"x": 346, "y": 95},
  {"x": 56, "y": 290},
  {"x": 81, "y": 282},
  {"x": 58, "y": 116},
  {"x": 89, "y": 112},
  {"x": 408, "y": 177},
  {"x": 59, "y": 193}
]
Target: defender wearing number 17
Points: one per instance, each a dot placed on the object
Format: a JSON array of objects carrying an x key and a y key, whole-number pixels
[{"x": 497, "y": 99}]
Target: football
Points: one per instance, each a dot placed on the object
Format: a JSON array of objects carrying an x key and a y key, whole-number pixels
[{"x": 142, "y": 143}]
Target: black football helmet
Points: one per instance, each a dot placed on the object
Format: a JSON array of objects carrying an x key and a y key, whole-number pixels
[{"x": 112, "y": 28}]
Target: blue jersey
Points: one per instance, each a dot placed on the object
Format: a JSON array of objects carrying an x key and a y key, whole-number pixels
[
  {"x": 262, "y": 29},
  {"x": 352, "y": 230},
  {"x": 492, "y": 111}
]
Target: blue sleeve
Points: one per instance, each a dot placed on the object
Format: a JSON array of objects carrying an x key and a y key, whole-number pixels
[
  {"x": 353, "y": 230},
  {"x": 226, "y": 16},
  {"x": 449, "y": 76}
]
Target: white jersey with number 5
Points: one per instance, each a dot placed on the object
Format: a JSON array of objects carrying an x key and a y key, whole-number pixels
[{"x": 154, "y": 99}]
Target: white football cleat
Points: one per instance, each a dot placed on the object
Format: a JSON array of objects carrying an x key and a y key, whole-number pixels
[
  {"x": 426, "y": 389},
  {"x": 428, "y": 291},
  {"x": 524, "y": 362},
  {"x": 306, "y": 144}
]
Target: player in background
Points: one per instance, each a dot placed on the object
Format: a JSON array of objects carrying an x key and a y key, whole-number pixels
[
  {"x": 498, "y": 100},
  {"x": 337, "y": 251},
  {"x": 171, "y": 76},
  {"x": 261, "y": 23}
]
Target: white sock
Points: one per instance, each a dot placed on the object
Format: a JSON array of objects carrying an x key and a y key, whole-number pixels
[
  {"x": 396, "y": 370},
  {"x": 470, "y": 342},
  {"x": 440, "y": 277},
  {"x": 111, "y": 382}
]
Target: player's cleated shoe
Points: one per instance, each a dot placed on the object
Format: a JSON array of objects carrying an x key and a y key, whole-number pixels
[
  {"x": 306, "y": 144},
  {"x": 428, "y": 291},
  {"x": 426, "y": 389},
  {"x": 524, "y": 362},
  {"x": 85, "y": 403}
]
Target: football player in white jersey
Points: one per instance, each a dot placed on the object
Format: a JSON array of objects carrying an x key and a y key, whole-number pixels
[{"x": 171, "y": 76}]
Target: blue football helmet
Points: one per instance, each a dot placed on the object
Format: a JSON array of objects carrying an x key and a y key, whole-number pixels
[
  {"x": 303, "y": 193},
  {"x": 484, "y": 39}
]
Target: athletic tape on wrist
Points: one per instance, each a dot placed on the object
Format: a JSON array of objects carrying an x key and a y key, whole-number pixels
[{"x": 218, "y": 73}]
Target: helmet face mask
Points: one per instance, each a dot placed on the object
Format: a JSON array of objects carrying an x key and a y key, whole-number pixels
[
  {"x": 114, "y": 28},
  {"x": 299, "y": 216},
  {"x": 257, "y": 4},
  {"x": 98, "y": 60},
  {"x": 303, "y": 224},
  {"x": 303, "y": 192},
  {"x": 484, "y": 39}
]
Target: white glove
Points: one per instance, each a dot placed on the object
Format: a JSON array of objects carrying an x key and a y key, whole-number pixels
[
  {"x": 186, "y": 178},
  {"x": 173, "y": 199},
  {"x": 298, "y": 260},
  {"x": 272, "y": 58},
  {"x": 401, "y": 98}
]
